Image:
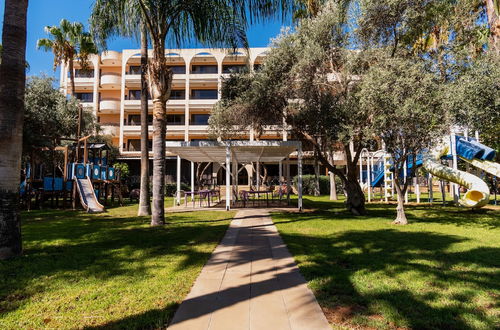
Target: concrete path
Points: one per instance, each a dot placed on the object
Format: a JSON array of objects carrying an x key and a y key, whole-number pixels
[{"x": 250, "y": 282}]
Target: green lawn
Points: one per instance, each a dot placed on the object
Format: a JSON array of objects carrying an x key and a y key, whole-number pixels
[
  {"x": 108, "y": 270},
  {"x": 442, "y": 271}
]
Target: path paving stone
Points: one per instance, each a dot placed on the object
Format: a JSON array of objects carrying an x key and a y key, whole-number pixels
[{"x": 250, "y": 282}]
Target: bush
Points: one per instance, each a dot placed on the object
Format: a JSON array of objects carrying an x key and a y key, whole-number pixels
[
  {"x": 171, "y": 188},
  {"x": 308, "y": 183}
]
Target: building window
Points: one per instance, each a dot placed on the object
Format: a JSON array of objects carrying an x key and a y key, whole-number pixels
[
  {"x": 85, "y": 97},
  {"x": 136, "y": 119},
  {"x": 234, "y": 68},
  {"x": 134, "y": 69},
  {"x": 178, "y": 69},
  {"x": 203, "y": 69},
  {"x": 199, "y": 119},
  {"x": 80, "y": 73},
  {"x": 175, "y": 119},
  {"x": 178, "y": 94},
  {"x": 257, "y": 67},
  {"x": 204, "y": 94},
  {"x": 135, "y": 94}
]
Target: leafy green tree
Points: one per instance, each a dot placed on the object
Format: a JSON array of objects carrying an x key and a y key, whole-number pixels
[
  {"x": 309, "y": 79},
  {"x": 12, "y": 80},
  {"x": 216, "y": 23},
  {"x": 408, "y": 115},
  {"x": 49, "y": 116},
  {"x": 473, "y": 98}
]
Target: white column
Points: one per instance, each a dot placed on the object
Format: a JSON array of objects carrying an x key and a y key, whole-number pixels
[
  {"x": 192, "y": 179},
  {"x": 258, "y": 176},
  {"x": 234, "y": 170},
  {"x": 429, "y": 189},
  {"x": 122, "y": 102},
  {"x": 228, "y": 178},
  {"x": 186, "y": 106},
  {"x": 417, "y": 186},
  {"x": 405, "y": 174},
  {"x": 368, "y": 178},
  {"x": 288, "y": 180},
  {"x": 454, "y": 186},
  {"x": 361, "y": 168},
  {"x": 96, "y": 84},
  {"x": 178, "y": 180},
  {"x": 299, "y": 180}
]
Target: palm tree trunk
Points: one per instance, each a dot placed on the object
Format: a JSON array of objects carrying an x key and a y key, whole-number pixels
[
  {"x": 12, "y": 85},
  {"x": 159, "y": 136},
  {"x": 494, "y": 24},
  {"x": 160, "y": 83},
  {"x": 144, "y": 202}
]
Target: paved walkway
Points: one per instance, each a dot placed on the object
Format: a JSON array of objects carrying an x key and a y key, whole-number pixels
[{"x": 250, "y": 282}]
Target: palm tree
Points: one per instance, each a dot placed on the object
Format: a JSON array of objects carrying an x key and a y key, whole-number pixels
[
  {"x": 133, "y": 27},
  {"x": 68, "y": 42},
  {"x": 12, "y": 82},
  {"x": 216, "y": 23}
]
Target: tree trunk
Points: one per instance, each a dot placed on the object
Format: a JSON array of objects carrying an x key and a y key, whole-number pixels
[
  {"x": 494, "y": 24},
  {"x": 333, "y": 187},
  {"x": 12, "y": 85},
  {"x": 316, "y": 177},
  {"x": 401, "y": 215},
  {"x": 160, "y": 83},
  {"x": 159, "y": 136},
  {"x": 144, "y": 200},
  {"x": 72, "y": 76},
  {"x": 355, "y": 201}
]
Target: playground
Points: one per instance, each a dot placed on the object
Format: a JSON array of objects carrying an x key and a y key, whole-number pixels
[{"x": 87, "y": 180}]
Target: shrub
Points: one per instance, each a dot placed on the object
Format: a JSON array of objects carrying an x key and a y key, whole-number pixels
[
  {"x": 171, "y": 188},
  {"x": 308, "y": 183}
]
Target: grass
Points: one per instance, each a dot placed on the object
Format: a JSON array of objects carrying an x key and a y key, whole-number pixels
[
  {"x": 439, "y": 272},
  {"x": 106, "y": 270}
]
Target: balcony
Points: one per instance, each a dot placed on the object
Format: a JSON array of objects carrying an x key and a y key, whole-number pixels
[
  {"x": 202, "y": 103},
  {"x": 204, "y": 78},
  {"x": 134, "y": 80},
  {"x": 136, "y": 104},
  {"x": 134, "y": 130},
  {"x": 111, "y": 58},
  {"x": 109, "y": 106},
  {"x": 110, "y": 129},
  {"x": 111, "y": 80},
  {"x": 83, "y": 82}
]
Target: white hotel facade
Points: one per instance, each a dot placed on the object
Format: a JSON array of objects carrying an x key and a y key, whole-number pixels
[{"x": 111, "y": 90}]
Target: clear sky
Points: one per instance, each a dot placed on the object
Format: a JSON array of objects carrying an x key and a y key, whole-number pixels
[{"x": 49, "y": 12}]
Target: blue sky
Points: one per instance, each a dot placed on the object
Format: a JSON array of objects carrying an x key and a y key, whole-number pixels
[{"x": 49, "y": 12}]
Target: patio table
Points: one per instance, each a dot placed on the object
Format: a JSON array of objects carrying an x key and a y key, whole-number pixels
[
  {"x": 245, "y": 195},
  {"x": 205, "y": 193}
]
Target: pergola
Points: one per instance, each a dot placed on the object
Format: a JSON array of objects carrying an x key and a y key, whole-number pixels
[{"x": 231, "y": 153}]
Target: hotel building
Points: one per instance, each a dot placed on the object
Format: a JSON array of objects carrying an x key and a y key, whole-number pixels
[{"x": 111, "y": 90}]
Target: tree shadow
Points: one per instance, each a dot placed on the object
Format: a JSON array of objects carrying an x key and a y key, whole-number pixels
[
  {"x": 331, "y": 263},
  {"x": 73, "y": 245}
]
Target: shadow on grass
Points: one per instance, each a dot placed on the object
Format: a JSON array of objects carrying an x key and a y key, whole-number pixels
[
  {"x": 77, "y": 245},
  {"x": 359, "y": 274},
  {"x": 152, "y": 319}
]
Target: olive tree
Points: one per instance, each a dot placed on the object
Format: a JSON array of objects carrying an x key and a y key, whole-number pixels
[
  {"x": 308, "y": 83},
  {"x": 473, "y": 98},
  {"x": 408, "y": 115}
]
